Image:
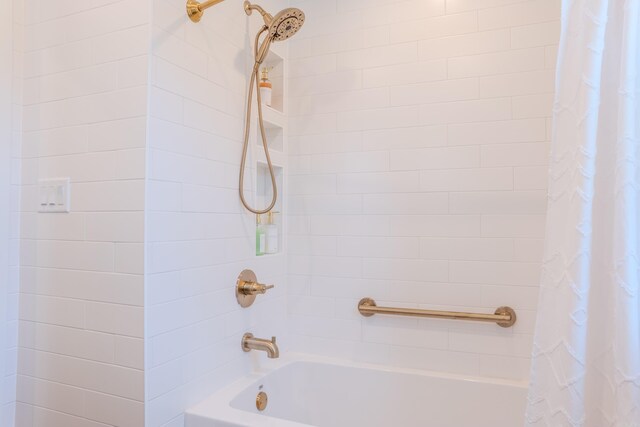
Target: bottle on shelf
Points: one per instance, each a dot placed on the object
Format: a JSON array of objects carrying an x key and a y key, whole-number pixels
[
  {"x": 271, "y": 232},
  {"x": 261, "y": 238},
  {"x": 266, "y": 87}
]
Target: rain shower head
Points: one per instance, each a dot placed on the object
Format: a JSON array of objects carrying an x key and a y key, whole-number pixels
[{"x": 282, "y": 26}]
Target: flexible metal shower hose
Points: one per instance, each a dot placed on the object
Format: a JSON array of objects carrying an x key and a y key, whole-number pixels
[{"x": 254, "y": 82}]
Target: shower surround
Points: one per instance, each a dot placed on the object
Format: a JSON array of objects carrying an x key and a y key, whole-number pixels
[
  {"x": 418, "y": 161},
  {"x": 416, "y": 175}
]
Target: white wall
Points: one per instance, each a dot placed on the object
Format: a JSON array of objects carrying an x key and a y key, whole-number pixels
[
  {"x": 199, "y": 238},
  {"x": 81, "y": 300},
  {"x": 9, "y": 49},
  {"x": 419, "y": 160}
]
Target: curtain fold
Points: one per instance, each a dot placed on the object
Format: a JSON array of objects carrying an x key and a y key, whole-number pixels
[{"x": 586, "y": 353}]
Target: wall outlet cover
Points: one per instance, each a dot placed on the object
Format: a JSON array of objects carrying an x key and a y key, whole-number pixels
[{"x": 54, "y": 195}]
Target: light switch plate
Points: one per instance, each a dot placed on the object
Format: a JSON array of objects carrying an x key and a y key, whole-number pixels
[{"x": 54, "y": 195}]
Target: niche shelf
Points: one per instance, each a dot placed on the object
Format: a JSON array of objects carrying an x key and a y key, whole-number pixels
[
  {"x": 274, "y": 126},
  {"x": 273, "y": 117},
  {"x": 277, "y": 157}
]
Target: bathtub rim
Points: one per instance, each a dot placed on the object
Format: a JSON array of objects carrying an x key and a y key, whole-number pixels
[{"x": 217, "y": 406}]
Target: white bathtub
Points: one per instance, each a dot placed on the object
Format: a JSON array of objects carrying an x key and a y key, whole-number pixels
[{"x": 307, "y": 391}]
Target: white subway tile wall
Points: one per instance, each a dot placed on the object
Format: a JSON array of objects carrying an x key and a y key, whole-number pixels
[
  {"x": 416, "y": 175},
  {"x": 198, "y": 235},
  {"x": 418, "y": 153},
  {"x": 81, "y": 329}
]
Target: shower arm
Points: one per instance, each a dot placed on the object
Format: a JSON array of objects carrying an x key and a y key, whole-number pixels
[
  {"x": 195, "y": 10},
  {"x": 249, "y": 8}
]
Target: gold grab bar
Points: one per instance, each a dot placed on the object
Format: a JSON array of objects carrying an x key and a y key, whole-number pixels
[{"x": 503, "y": 316}]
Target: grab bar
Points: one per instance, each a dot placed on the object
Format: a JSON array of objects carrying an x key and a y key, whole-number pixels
[{"x": 503, "y": 316}]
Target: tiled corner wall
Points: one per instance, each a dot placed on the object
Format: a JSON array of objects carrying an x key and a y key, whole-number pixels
[
  {"x": 81, "y": 292},
  {"x": 417, "y": 177},
  {"x": 418, "y": 173},
  {"x": 199, "y": 238},
  {"x": 10, "y": 55}
]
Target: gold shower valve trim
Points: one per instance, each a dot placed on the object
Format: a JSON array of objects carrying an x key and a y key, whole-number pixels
[
  {"x": 248, "y": 287},
  {"x": 195, "y": 9}
]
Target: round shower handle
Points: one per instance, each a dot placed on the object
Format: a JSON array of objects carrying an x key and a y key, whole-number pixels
[{"x": 248, "y": 287}]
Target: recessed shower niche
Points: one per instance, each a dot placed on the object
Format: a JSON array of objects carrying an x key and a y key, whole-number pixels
[
  {"x": 269, "y": 236},
  {"x": 274, "y": 64},
  {"x": 275, "y": 120},
  {"x": 275, "y": 126}
]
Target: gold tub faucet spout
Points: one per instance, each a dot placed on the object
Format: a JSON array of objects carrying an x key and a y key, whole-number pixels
[{"x": 249, "y": 342}]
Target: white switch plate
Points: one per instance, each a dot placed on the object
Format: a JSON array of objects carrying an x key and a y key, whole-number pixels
[{"x": 54, "y": 195}]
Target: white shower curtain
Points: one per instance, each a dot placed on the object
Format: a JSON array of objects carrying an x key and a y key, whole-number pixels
[{"x": 586, "y": 356}]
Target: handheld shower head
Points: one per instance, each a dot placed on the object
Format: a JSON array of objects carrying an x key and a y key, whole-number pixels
[
  {"x": 282, "y": 26},
  {"x": 286, "y": 23}
]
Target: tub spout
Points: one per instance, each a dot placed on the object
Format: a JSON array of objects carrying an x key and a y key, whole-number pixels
[{"x": 249, "y": 342}]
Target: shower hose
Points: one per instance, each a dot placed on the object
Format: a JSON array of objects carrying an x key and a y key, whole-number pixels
[{"x": 260, "y": 55}]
